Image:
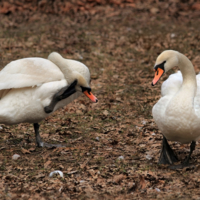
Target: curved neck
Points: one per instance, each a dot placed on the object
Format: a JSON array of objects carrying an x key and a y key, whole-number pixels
[
  {"x": 66, "y": 70},
  {"x": 69, "y": 74},
  {"x": 185, "y": 96},
  {"x": 187, "y": 70},
  {"x": 58, "y": 60}
]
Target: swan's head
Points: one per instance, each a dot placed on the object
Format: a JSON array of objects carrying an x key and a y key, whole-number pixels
[
  {"x": 76, "y": 73},
  {"x": 164, "y": 62},
  {"x": 82, "y": 85}
]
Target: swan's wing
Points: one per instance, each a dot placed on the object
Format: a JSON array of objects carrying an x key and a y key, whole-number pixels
[
  {"x": 29, "y": 72},
  {"x": 172, "y": 84}
]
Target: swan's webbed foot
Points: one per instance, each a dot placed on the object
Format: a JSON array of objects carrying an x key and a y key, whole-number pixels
[
  {"x": 167, "y": 155},
  {"x": 181, "y": 166},
  {"x": 39, "y": 141},
  {"x": 52, "y": 145},
  {"x": 60, "y": 95},
  {"x": 186, "y": 163}
]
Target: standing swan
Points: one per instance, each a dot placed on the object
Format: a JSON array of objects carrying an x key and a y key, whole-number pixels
[
  {"x": 33, "y": 88},
  {"x": 177, "y": 113}
]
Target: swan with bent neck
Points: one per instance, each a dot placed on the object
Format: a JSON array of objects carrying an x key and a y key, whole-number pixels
[
  {"x": 33, "y": 88},
  {"x": 177, "y": 113}
]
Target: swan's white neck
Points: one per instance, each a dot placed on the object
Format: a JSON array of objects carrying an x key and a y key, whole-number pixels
[
  {"x": 184, "y": 99},
  {"x": 187, "y": 70},
  {"x": 68, "y": 73},
  {"x": 189, "y": 85},
  {"x": 63, "y": 65}
]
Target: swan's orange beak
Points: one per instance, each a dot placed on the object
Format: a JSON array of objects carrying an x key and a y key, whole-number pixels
[
  {"x": 91, "y": 96},
  {"x": 159, "y": 72}
]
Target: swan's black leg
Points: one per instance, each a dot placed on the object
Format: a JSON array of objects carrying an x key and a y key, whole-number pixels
[
  {"x": 167, "y": 155},
  {"x": 60, "y": 95},
  {"x": 186, "y": 162},
  {"x": 39, "y": 141},
  {"x": 37, "y": 135},
  {"x": 192, "y": 148}
]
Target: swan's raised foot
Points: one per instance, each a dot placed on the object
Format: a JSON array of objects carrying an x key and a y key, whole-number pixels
[
  {"x": 167, "y": 155},
  {"x": 60, "y": 95}
]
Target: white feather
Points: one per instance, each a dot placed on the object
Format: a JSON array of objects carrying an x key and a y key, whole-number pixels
[
  {"x": 28, "y": 85},
  {"x": 177, "y": 113}
]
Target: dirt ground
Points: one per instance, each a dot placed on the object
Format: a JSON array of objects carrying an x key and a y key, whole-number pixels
[{"x": 112, "y": 147}]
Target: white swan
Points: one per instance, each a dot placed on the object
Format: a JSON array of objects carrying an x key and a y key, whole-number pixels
[
  {"x": 32, "y": 88},
  {"x": 177, "y": 113}
]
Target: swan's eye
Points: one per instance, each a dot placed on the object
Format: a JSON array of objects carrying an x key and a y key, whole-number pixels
[
  {"x": 161, "y": 66},
  {"x": 86, "y": 89}
]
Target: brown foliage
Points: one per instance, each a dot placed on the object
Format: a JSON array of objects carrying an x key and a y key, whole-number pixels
[
  {"x": 93, "y": 6},
  {"x": 112, "y": 147}
]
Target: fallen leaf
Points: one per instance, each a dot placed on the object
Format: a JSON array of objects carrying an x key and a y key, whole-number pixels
[
  {"x": 142, "y": 182},
  {"x": 105, "y": 112},
  {"x": 25, "y": 150},
  {"x": 118, "y": 178},
  {"x": 46, "y": 164}
]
